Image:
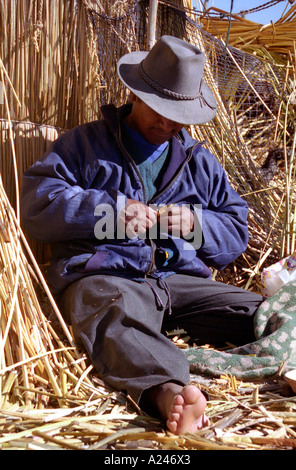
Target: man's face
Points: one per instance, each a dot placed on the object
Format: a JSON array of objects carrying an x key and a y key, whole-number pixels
[{"x": 155, "y": 128}]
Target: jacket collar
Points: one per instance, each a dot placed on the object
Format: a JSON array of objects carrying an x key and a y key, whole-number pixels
[
  {"x": 113, "y": 116},
  {"x": 179, "y": 144}
]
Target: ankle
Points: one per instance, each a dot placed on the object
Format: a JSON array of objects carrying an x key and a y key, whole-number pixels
[{"x": 157, "y": 400}]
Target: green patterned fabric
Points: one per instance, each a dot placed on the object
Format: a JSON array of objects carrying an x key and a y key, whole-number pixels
[{"x": 275, "y": 332}]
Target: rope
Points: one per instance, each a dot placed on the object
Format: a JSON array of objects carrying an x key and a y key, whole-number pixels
[
  {"x": 264, "y": 6},
  {"x": 115, "y": 18},
  {"x": 166, "y": 91},
  {"x": 261, "y": 7}
]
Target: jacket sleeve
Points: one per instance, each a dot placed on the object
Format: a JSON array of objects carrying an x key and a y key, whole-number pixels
[
  {"x": 58, "y": 202},
  {"x": 223, "y": 217}
]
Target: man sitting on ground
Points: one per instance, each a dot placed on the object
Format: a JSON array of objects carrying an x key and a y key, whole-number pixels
[{"x": 138, "y": 213}]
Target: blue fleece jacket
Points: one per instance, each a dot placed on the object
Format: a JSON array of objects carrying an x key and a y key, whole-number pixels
[{"x": 82, "y": 183}]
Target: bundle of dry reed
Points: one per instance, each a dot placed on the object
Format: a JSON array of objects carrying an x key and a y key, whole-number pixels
[
  {"x": 32, "y": 355},
  {"x": 57, "y": 61},
  {"x": 31, "y": 140},
  {"x": 33, "y": 358},
  {"x": 250, "y": 121},
  {"x": 278, "y": 37}
]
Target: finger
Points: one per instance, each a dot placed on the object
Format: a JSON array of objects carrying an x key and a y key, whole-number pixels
[
  {"x": 179, "y": 222},
  {"x": 136, "y": 228},
  {"x": 151, "y": 216}
]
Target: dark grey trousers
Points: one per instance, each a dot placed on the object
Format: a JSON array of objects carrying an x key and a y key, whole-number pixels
[{"x": 122, "y": 324}]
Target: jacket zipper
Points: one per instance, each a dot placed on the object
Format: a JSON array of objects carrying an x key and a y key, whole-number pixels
[
  {"x": 131, "y": 160},
  {"x": 152, "y": 263},
  {"x": 132, "y": 163},
  {"x": 177, "y": 174},
  {"x": 169, "y": 184}
]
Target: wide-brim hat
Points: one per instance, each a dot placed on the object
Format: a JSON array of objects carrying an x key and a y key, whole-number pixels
[{"x": 169, "y": 79}]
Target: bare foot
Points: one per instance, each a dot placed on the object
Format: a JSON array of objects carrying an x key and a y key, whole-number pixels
[
  {"x": 187, "y": 412},
  {"x": 182, "y": 408}
]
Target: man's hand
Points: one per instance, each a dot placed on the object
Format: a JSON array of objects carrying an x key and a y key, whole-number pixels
[
  {"x": 177, "y": 221},
  {"x": 136, "y": 218}
]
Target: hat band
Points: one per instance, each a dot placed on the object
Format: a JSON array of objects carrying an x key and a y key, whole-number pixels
[{"x": 166, "y": 91}]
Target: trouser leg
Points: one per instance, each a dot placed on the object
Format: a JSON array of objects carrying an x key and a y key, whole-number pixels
[
  {"x": 119, "y": 323},
  {"x": 211, "y": 312}
]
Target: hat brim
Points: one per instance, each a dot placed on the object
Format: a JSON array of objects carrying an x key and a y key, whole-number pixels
[{"x": 197, "y": 111}]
